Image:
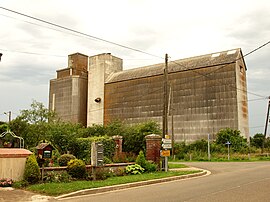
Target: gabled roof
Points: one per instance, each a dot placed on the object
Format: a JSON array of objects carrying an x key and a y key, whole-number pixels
[
  {"x": 213, "y": 59},
  {"x": 43, "y": 146}
]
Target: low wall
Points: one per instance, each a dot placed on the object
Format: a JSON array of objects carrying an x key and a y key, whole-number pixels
[
  {"x": 113, "y": 166},
  {"x": 12, "y": 163}
]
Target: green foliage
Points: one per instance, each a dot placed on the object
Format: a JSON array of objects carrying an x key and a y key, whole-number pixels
[
  {"x": 65, "y": 158},
  {"x": 95, "y": 130},
  {"x": 3, "y": 127},
  {"x": 125, "y": 157},
  {"x": 62, "y": 135},
  {"x": 38, "y": 113},
  {"x": 141, "y": 159},
  {"x": 81, "y": 147},
  {"x": 148, "y": 166},
  {"x": 237, "y": 141},
  {"x": 134, "y": 137},
  {"x": 31, "y": 172},
  {"x": 257, "y": 140},
  {"x": 102, "y": 174},
  {"x": 134, "y": 169},
  {"x": 76, "y": 168},
  {"x": 57, "y": 177},
  {"x": 106, "y": 160}
]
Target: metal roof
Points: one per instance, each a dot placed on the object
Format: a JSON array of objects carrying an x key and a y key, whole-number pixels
[{"x": 213, "y": 59}]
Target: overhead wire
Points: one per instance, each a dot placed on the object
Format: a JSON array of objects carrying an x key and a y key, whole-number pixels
[
  {"x": 80, "y": 33},
  {"x": 116, "y": 44},
  {"x": 223, "y": 66}
]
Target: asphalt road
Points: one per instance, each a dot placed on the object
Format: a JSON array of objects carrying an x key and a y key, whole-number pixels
[{"x": 229, "y": 181}]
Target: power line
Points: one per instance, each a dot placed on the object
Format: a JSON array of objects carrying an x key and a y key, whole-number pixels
[
  {"x": 79, "y": 32},
  {"x": 32, "y": 53},
  {"x": 223, "y": 66}
]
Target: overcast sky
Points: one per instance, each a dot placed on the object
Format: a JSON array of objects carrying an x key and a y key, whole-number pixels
[{"x": 180, "y": 28}]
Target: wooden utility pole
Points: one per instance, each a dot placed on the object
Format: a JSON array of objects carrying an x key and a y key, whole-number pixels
[
  {"x": 266, "y": 124},
  {"x": 165, "y": 98}
]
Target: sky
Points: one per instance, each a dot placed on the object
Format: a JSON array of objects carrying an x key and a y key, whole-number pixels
[{"x": 33, "y": 51}]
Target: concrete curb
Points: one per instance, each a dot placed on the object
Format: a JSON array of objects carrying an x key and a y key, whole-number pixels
[{"x": 130, "y": 185}]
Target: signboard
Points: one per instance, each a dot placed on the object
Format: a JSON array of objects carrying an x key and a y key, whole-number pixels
[
  {"x": 166, "y": 141},
  {"x": 165, "y": 153},
  {"x": 166, "y": 146},
  {"x": 47, "y": 154}
]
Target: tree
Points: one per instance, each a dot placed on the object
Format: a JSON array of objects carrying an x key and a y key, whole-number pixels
[
  {"x": 32, "y": 124},
  {"x": 38, "y": 113},
  {"x": 237, "y": 141},
  {"x": 257, "y": 140}
]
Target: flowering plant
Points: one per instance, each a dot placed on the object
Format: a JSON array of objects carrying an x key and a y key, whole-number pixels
[{"x": 6, "y": 182}]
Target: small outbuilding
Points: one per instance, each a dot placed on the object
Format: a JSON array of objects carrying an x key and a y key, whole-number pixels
[{"x": 45, "y": 150}]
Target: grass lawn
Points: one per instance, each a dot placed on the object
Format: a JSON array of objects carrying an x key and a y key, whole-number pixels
[
  {"x": 55, "y": 189},
  {"x": 176, "y": 165}
]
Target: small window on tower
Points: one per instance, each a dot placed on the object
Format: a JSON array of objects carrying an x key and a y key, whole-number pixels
[{"x": 241, "y": 69}]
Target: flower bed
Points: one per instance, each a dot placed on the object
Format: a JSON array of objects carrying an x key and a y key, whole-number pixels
[{"x": 6, "y": 182}]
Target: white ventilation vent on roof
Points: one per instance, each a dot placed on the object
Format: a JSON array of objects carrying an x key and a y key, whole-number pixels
[
  {"x": 215, "y": 55},
  {"x": 231, "y": 52}
]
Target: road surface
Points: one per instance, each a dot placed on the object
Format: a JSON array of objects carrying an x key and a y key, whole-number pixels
[{"x": 229, "y": 181}]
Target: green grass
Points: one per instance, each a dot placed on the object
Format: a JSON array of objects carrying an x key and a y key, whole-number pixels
[
  {"x": 176, "y": 165},
  {"x": 55, "y": 189}
]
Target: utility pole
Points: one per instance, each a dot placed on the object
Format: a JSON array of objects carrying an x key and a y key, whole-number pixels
[
  {"x": 266, "y": 124},
  {"x": 9, "y": 116},
  {"x": 165, "y": 110},
  {"x": 165, "y": 98}
]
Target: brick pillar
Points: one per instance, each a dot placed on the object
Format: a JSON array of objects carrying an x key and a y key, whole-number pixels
[
  {"x": 153, "y": 146},
  {"x": 118, "y": 140}
]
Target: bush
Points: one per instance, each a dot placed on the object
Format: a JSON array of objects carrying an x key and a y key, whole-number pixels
[
  {"x": 31, "y": 172},
  {"x": 134, "y": 136},
  {"x": 150, "y": 167},
  {"x": 81, "y": 147},
  {"x": 57, "y": 177},
  {"x": 125, "y": 157},
  {"x": 141, "y": 159},
  {"x": 65, "y": 158},
  {"x": 106, "y": 160},
  {"x": 102, "y": 174},
  {"x": 134, "y": 169},
  {"x": 76, "y": 168}
]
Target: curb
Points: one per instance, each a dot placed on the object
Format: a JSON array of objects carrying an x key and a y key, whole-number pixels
[{"x": 130, "y": 185}]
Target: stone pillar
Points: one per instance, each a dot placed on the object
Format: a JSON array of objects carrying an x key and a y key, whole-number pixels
[
  {"x": 153, "y": 146},
  {"x": 12, "y": 163},
  {"x": 118, "y": 145}
]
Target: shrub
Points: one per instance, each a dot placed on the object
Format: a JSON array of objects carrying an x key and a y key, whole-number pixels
[
  {"x": 102, "y": 174},
  {"x": 81, "y": 148},
  {"x": 106, "y": 160},
  {"x": 65, "y": 158},
  {"x": 150, "y": 167},
  {"x": 57, "y": 177},
  {"x": 134, "y": 169},
  {"x": 31, "y": 172},
  {"x": 141, "y": 159},
  {"x": 125, "y": 157},
  {"x": 76, "y": 168},
  {"x": 134, "y": 136}
]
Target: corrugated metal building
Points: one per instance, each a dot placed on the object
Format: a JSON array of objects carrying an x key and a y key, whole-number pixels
[{"x": 206, "y": 93}]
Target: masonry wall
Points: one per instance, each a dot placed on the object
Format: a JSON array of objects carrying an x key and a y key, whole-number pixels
[
  {"x": 68, "y": 97},
  {"x": 100, "y": 68},
  {"x": 202, "y": 104}
]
